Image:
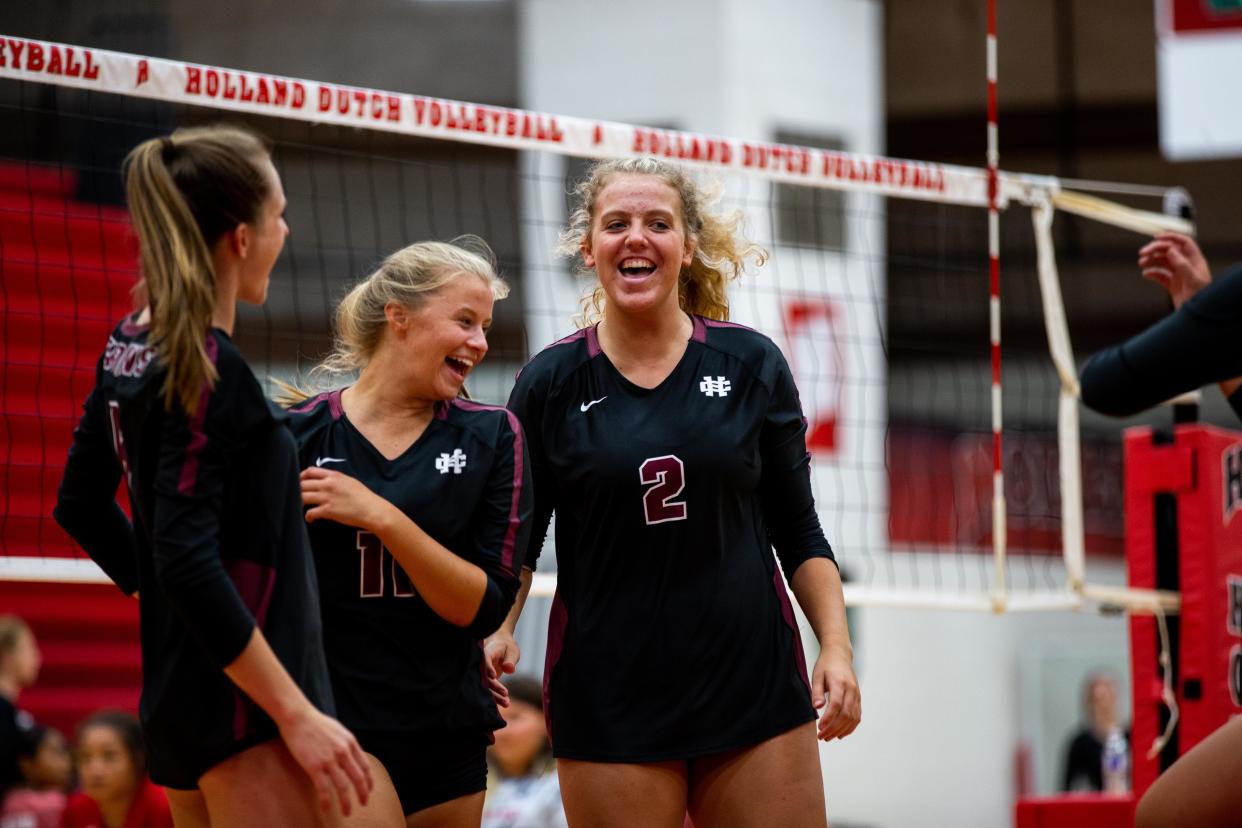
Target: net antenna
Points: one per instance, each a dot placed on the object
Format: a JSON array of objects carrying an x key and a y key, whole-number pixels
[
  {"x": 1000, "y": 530},
  {"x": 884, "y": 574}
]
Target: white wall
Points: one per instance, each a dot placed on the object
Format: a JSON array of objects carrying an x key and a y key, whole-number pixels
[{"x": 950, "y": 699}]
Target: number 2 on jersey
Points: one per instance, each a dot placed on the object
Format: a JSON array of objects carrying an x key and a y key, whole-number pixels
[
  {"x": 666, "y": 477},
  {"x": 374, "y": 561}
]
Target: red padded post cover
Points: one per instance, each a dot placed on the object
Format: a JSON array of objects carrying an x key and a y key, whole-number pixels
[{"x": 1202, "y": 468}]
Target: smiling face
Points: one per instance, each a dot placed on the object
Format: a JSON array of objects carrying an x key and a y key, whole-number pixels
[
  {"x": 445, "y": 338},
  {"x": 638, "y": 244}
]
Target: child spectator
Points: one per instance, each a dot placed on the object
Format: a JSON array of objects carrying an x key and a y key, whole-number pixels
[
  {"x": 523, "y": 788},
  {"x": 112, "y": 768},
  {"x": 38, "y": 799}
]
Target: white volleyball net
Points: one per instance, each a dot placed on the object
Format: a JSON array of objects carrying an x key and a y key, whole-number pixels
[{"x": 877, "y": 291}]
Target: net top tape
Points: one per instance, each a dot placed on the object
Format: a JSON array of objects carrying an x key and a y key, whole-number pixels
[{"x": 120, "y": 73}]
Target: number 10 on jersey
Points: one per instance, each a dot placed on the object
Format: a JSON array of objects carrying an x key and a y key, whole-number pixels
[{"x": 374, "y": 561}]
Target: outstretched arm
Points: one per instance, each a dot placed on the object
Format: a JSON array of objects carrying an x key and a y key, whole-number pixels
[
  {"x": 1196, "y": 345},
  {"x": 1175, "y": 262}
]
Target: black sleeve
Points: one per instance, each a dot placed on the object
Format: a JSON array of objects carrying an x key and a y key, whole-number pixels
[
  {"x": 502, "y": 524},
  {"x": 189, "y": 496},
  {"x": 526, "y": 402},
  {"x": 1200, "y": 343},
  {"x": 9, "y": 736},
  {"x": 86, "y": 504},
  {"x": 1083, "y": 770},
  {"x": 785, "y": 483}
]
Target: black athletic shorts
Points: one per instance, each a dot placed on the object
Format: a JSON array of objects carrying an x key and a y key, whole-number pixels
[{"x": 428, "y": 768}]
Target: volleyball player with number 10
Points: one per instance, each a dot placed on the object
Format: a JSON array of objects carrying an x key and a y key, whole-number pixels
[
  {"x": 419, "y": 506},
  {"x": 671, "y": 446}
]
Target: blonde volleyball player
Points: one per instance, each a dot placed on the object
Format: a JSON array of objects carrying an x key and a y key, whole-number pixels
[
  {"x": 671, "y": 446},
  {"x": 236, "y": 706}
]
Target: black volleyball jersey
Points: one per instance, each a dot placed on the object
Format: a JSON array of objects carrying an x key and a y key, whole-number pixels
[
  {"x": 217, "y": 544},
  {"x": 671, "y": 634},
  {"x": 395, "y": 663}
]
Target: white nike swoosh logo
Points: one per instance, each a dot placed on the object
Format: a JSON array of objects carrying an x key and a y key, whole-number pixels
[
  {"x": 321, "y": 460},
  {"x": 587, "y": 405}
]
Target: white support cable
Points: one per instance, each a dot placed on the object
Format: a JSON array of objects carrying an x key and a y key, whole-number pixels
[
  {"x": 1144, "y": 222},
  {"x": 1166, "y": 687},
  {"x": 1070, "y": 464},
  {"x": 1131, "y": 599},
  {"x": 1088, "y": 185}
]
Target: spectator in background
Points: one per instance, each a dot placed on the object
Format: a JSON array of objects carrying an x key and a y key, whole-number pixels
[
  {"x": 523, "y": 788},
  {"x": 1084, "y": 758},
  {"x": 112, "y": 768},
  {"x": 19, "y": 667},
  {"x": 38, "y": 799}
]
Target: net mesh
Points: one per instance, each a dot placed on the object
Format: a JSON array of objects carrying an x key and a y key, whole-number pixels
[{"x": 880, "y": 303}]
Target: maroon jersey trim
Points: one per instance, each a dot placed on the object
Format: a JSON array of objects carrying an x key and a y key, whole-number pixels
[
  {"x": 558, "y": 620},
  {"x": 716, "y": 323},
  {"x": 515, "y": 522},
  {"x": 254, "y": 583},
  {"x": 333, "y": 398},
  {"x": 787, "y": 614},
  {"x": 198, "y": 438}
]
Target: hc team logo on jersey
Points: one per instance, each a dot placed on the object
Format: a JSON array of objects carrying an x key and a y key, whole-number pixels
[
  {"x": 454, "y": 462},
  {"x": 1231, "y": 478},
  {"x": 718, "y": 387}
]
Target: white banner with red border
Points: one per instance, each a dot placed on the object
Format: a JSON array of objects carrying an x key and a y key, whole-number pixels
[{"x": 319, "y": 102}]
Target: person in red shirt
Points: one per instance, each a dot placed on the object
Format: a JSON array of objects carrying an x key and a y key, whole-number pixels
[{"x": 116, "y": 792}]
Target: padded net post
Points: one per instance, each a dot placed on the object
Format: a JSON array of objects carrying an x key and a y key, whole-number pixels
[{"x": 1183, "y": 532}]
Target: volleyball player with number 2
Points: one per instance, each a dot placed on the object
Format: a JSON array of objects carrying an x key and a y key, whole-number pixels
[
  {"x": 671, "y": 446},
  {"x": 418, "y": 503}
]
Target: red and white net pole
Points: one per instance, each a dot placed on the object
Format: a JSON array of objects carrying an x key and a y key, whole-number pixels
[{"x": 999, "y": 530}]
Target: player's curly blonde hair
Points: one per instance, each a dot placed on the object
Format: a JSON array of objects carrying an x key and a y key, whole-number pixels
[{"x": 720, "y": 248}]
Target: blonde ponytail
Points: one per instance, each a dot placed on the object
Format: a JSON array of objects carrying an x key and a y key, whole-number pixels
[{"x": 184, "y": 192}]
